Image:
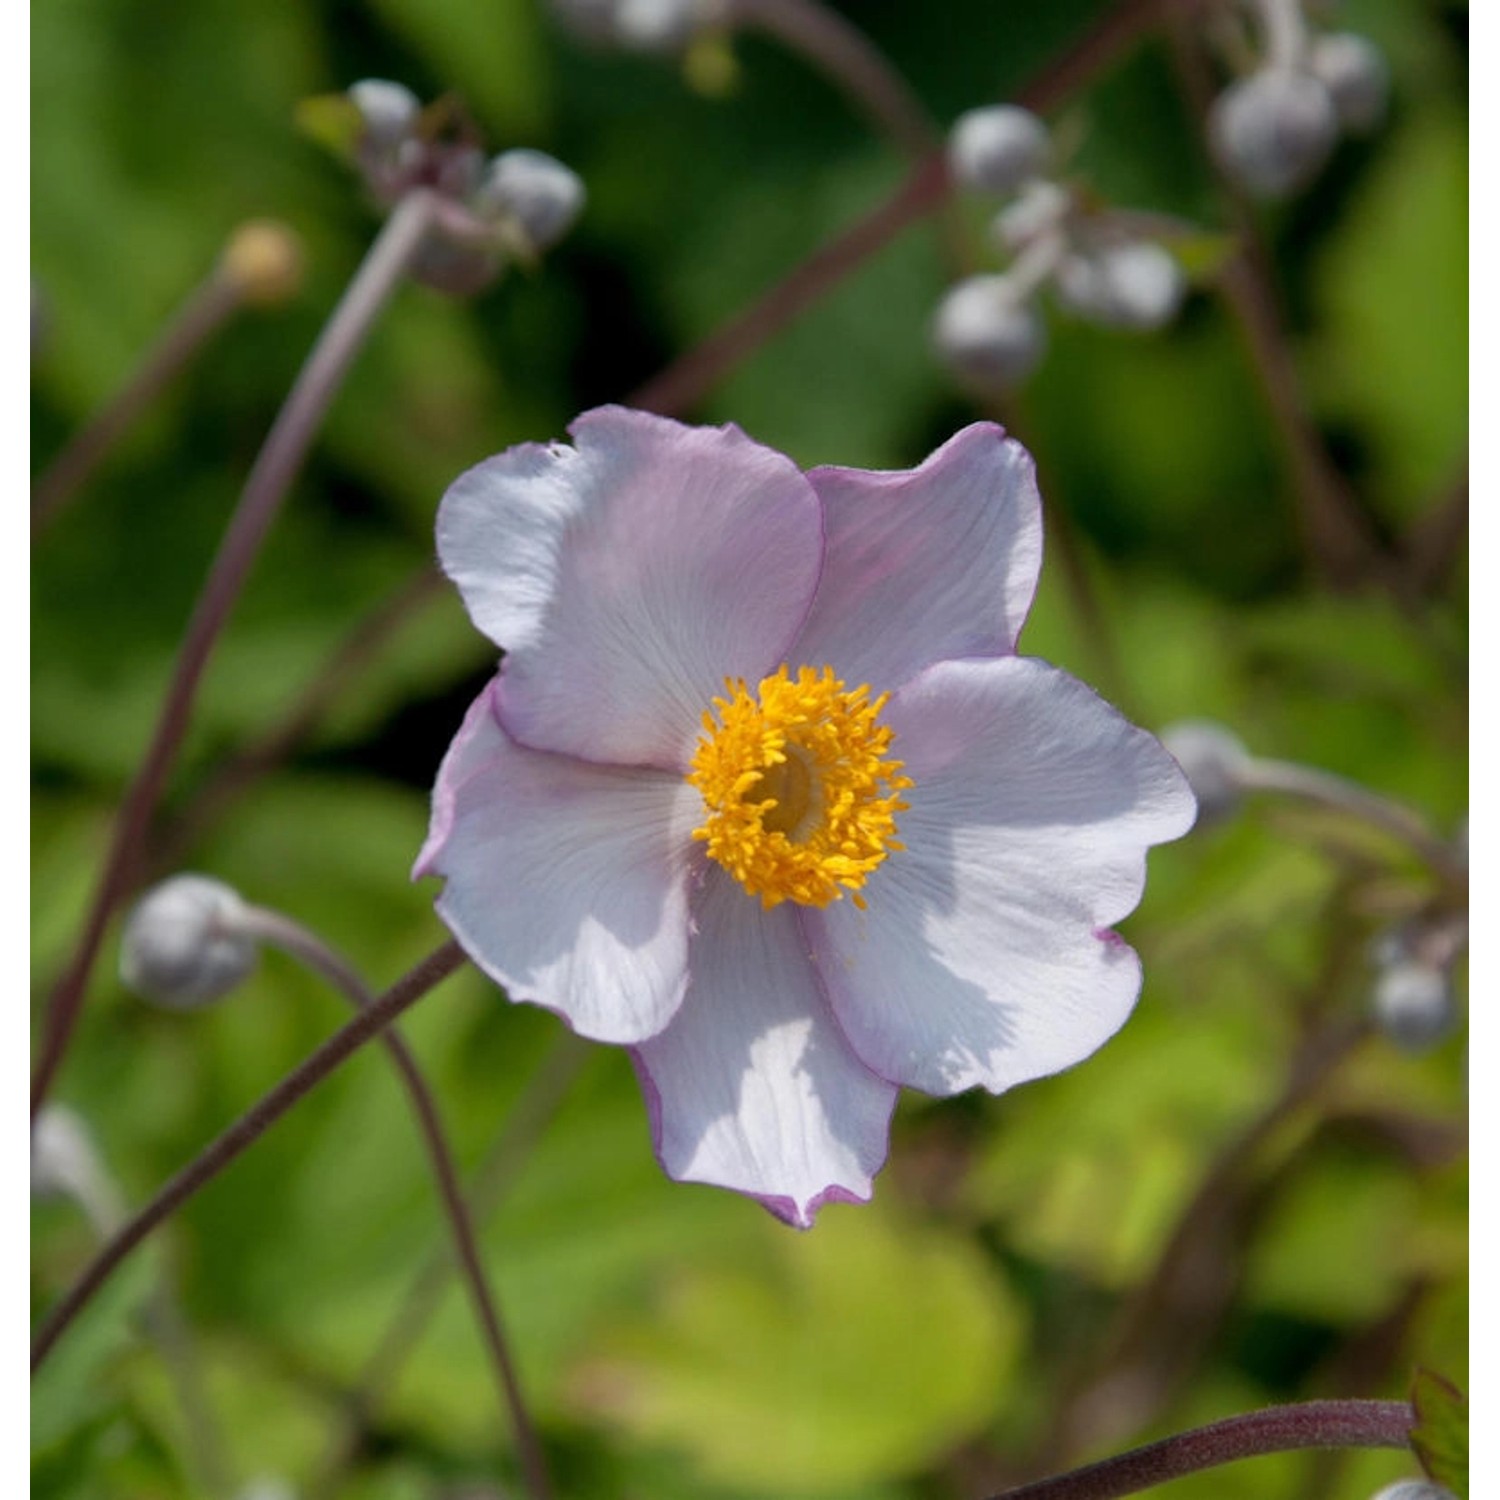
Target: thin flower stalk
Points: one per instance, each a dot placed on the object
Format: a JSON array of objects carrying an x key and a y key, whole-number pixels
[
  {"x": 229, "y": 780},
  {"x": 848, "y": 57},
  {"x": 275, "y": 468},
  {"x": 1276, "y": 1429},
  {"x": 207, "y": 308},
  {"x": 292, "y": 937},
  {"x": 1162, "y": 1326},
  {"x": 1337, "y": 534},
  {"x": 1311, "y": 784},
  {"x": 230, "y": 1143},
  {"x": 487, "y": 1186}
]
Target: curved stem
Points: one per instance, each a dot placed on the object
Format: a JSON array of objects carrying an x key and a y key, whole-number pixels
[
  {"x": 1337, "y": 535},
  {"x": 225, "y": 1147},
  {"x": 276, "y": 928},
  {"x": 490, "y": 1179},
  {"x": 1329, "y": 790},
  {"x": 231, "y": 777},
  {"x": 275, "y": 468},
  {"x": 849, "y": 58},
  {"x": 206, "y": 309},
  {"x": 685, "y": 382},
  {"x": 1276, "y": 1429}
]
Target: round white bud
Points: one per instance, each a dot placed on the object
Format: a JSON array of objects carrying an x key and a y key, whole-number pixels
[
  {"x": 1414, "y": 1489},
  {"x": 1273, "y": 131},
  {"x": 1215, "y": 763},
  {"x": 184, "y": 944},
  {"x": 663, "y": 26},
  {"x": 64, "y": 1164},
  {"x": 1413, "y": 1003},
  {"x": 995, "y": 149},
  {"x": 989, "y": 339},
  {"x": 532, "y": 191},
  {"x": 1135, "y": 284},
  {"x": 1354, "y": 72},
  {"x": 389, "y": 110},
  {"x": 267, "y": 1488},
  {"x": 1039, "y": 206}
]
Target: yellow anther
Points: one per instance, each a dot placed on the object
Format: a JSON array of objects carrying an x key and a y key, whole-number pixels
[{"x": 800, "y": 792}]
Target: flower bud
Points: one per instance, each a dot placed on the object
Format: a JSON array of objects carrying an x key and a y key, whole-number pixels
[
  {"x": 389, "y": 110},
  {"x": 184, "y": 944},
  {"x": 662, "y": 26},
  {"x": 1273, "y": 131},
  {"x": 64, "y": 1164},
  {"x": 994, "y": 150},
  {"x": 985, "y": 336},
  {"x": 267, "y": 1488},
  {"x": 1414, "y": 1489},
  {"x": 1413, "y": 1003},
  {"x": 1038, "y": 207},
  {"x": 1354, "y": 72},
  {"x": 263, "y": 260},
  {"x": 1135, "y": 284},
  {"x": 533, "y": 192},
  {"x": 1215, "y": 763}
]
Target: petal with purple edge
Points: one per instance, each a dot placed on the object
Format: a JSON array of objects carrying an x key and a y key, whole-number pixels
[
  {"x": 752, "y": 1087},
  {"x": 566, "y": 881},
  {"x": 984, "y": 956},
  {"x": 926, "y": 564},
  {"x": 628, "y": 575}
]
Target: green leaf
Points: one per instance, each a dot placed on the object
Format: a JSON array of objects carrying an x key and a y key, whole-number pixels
[
  {"x": 1441, "y": 1437},
  {"x": 870, "y": 1349}
]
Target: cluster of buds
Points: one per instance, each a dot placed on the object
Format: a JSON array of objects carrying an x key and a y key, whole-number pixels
[
  {"x": 1099, "y": 263},
  {"x": 493, "y": 210},
  {"x": 662, "y": 27},
  {"x": 1273, "y": 130}
]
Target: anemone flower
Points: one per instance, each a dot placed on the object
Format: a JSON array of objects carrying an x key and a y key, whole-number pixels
[{"x": 763, "y": 792}]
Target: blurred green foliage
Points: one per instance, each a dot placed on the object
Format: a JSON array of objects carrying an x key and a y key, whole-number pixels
[{"x": 675, "y": 1341}]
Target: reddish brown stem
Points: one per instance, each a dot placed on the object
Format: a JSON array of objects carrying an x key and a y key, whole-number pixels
[
  {"x": 1337, "y": 534},
  {"x": 207, "y": 308},
  {"x": 275, "y": 468},
  {"x": 1277, "y": 1429},
  {"x": 220, "y": 1152}
]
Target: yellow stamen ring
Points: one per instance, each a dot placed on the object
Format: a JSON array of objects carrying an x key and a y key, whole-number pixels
[{"x": 800, "y": 792}]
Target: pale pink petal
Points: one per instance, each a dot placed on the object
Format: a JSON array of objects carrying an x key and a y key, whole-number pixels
[
  {"x": 984, "y": 956},
  {"x": 628, "y": 575},
  {"x": 566, "y": 881},
  {"x": 752, "y": 1087},
  {"x": 925, "y": 564}
]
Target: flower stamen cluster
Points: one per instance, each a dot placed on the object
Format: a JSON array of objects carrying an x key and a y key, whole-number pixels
[{"x": 800, "y": 789}]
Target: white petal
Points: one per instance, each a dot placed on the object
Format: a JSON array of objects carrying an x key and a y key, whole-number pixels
[
  {"x": 566, "y": 882},
  {"x": 752, "y": 1087},
  {"x": 925, "y": 564},
  {"x": 629, "y": 575},
  {"x": 984, "y": 955}
]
